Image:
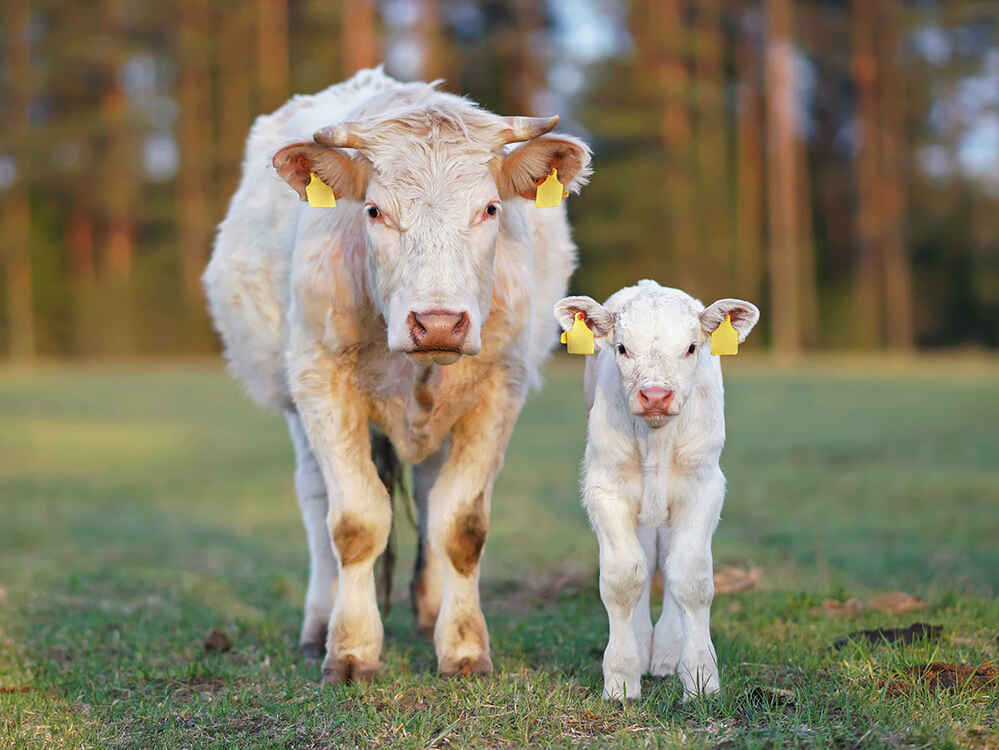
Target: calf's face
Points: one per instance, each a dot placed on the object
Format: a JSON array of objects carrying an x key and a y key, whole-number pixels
[
  {"x": 432, "y": 210},
  {"x": 657, "y": 336}
]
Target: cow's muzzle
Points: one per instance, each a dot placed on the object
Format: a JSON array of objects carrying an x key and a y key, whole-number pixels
[{"x": 437, "y": 335}]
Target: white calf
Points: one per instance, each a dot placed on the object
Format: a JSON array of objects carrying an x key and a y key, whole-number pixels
[{"x": 651, "y": 481}]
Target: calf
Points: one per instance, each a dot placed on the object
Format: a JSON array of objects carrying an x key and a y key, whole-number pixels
[{"x": 651, "y": 482}]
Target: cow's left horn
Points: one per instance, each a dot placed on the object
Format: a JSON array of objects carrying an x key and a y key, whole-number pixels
[
  {"x": 525, "y": 128},
  {"x": 339, "y": 136}
]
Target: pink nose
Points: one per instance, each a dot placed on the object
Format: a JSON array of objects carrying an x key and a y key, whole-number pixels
[
  {"x": 437, "y": 330},
  {"x": 655, "y": 399}
]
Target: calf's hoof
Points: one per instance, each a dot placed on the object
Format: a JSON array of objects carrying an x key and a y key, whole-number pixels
[
  {"x": 313, "y": 651},
  {"x": 343, "y": 671},
  {"x": 465, "y": 666}
]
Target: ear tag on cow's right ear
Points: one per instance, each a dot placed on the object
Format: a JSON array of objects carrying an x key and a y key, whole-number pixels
[
  {"x": 550, "y": 192},
  {"x": 320, "y": 194},
  {"x": 725, "y": 339},
  {"x": 579, "y": 338}
]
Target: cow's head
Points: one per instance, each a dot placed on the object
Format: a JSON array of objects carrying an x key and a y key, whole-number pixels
[
  {"x": 431, "y": 186},
  {"x": 658, "y": 337}
]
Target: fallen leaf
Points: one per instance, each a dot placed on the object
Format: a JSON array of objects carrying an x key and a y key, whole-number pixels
[
  {"x": 896, "y": 603},
  {"x": 942, "y": 676},
  {"x": 730, "y": 580},
  {"x": 916, "y": 631},
  {"x": 12, "y": 689},
  {"x": 217, "y": 641}
]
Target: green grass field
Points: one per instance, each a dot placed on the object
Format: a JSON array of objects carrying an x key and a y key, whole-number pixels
[{"x": 140, "y": 508}]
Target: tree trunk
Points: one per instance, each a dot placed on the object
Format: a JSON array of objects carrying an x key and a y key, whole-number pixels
[
  {"x": 120, "y": 181},
  {"x": 783, "y": 207},
  {"x": 749, "y": 196},
  {"x": 234, "y": 101},
  {"x": 672, "y": 36},
  {"x": 897, "y": 270},
  {"x": 357, "y": 25},
  {"x": 17, "y": 213},
  {"x": 428, "y": 29},
  {"x": 193, "y": 89},
  {"x": 272, "y": 52},
  {"x": 867, "y": 282}
]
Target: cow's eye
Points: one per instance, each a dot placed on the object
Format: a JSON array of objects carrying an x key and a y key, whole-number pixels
[
  {"x": 491, "y": 210},
  {"x": 622, "y": 350},
  {"x": 691, "y": 348},
  {"x": 373, "y": 212}
]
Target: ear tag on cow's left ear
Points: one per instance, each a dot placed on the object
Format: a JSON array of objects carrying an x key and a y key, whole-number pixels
[
  {"x": 725, "y": 339},
  {"x": 579, "y": 338},
  {"x": 550, "y": 192},
  {"x": 320, "y": 194}
]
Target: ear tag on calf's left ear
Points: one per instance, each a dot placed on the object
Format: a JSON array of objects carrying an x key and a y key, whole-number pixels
[
  {"x": 320, "y": 194},
  {"x": 579, "y": 338},
  {"x": 550, "y": 192},
  {"x": 725, "y": 339}
]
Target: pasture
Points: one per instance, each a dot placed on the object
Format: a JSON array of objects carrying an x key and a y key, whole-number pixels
[{"x": 143, "y": 507}]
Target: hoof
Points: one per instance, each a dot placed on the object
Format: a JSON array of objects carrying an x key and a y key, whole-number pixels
[
  {"x": 347, "y": 670},
  {"x": 467, "y": 666},
  {"x": 313, "y": 651}
]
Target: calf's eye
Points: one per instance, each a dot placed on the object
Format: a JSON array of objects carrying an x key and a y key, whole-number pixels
[
  {"x": 373, "y": 212},
  {"x": 621, "y": 349},
  {"x": 690, "y": 349}
]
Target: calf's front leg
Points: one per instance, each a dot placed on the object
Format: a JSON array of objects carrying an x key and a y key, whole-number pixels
[
  {"x": 333, "y": 412},
  {"x": 458, "y": 523}
]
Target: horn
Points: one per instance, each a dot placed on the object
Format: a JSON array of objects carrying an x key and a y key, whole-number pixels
[
  {"x": 339, "y": 136},
  {"x": 525, "y": 128}
]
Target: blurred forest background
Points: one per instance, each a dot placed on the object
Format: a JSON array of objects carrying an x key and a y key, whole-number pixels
[{"x": 836, "y": 162}]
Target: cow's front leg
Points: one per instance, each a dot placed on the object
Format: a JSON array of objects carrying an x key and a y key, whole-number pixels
[
  {"x": 334, "y": 413},
  {"x": 688, "y": 575},
  {"x": 459, "y": 522}
]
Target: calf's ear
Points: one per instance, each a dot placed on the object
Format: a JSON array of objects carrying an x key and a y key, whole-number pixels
[
  {"x": 527, "y": 166},
  {"x": 599, "y": 319},
  {"x": 744, "y": 316},
  {"x": 346, "y": 175}
]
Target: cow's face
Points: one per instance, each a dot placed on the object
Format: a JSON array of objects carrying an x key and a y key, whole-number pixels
[
  {"x": 657, "y": 336},
  {"x": 432, "y": 209}
]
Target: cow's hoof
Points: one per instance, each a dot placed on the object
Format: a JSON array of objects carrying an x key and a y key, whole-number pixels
[
  {"x": 347, "y": 670},
  {"x": 313, "y": 651},
  {"x": 467, "y": 666}
]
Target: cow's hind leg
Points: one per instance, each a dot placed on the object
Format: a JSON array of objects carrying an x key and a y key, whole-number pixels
[
  {"x": 321, "y": 592},
  {"x": 428, "y": 573}
]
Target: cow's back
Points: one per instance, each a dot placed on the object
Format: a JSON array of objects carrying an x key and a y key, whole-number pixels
[{"x": 246, "y": 281}]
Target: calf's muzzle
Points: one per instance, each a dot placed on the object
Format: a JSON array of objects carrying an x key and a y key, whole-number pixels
[{"x": 655, "y": 401}]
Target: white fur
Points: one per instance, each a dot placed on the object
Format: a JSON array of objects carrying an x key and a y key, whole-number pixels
[
  {"x": 311, "y": 305},
  {"x": 653, "y": 487}
]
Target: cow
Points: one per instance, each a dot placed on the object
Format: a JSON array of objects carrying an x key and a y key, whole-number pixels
[
  {"x": 652, "y": 486},
  {"x": 405, "y": 324}
]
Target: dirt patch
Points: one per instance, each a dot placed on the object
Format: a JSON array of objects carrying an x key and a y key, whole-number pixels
[
  {"x": 915, "y": 632},
  {"x": 217, "y": 641},
  {"x": 894, "y": 603},
  {"x": 6, "y": 689},
  {"x": 730, "y": 580},
  {"x": 939, "y": 675}
]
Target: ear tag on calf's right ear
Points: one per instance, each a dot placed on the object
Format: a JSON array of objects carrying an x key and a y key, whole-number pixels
[
  {"x": 320, "y": 194},
  {"x": 725, "y": 339},
  {"x": 550, "y": 192},
  {"x": 579, "y": 338}
]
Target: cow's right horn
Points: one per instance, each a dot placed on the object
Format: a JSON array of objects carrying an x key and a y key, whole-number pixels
[
  {"x": 339, "y": 136},
  {"x": 525, "y": 128}
]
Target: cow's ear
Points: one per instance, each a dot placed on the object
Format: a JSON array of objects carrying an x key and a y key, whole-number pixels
[
  {"x": 599, "y": 319},
  {"x": 744, "y": 316},
  {"x": 346, "y": 175},
  {"x": 527, "y": 166}
]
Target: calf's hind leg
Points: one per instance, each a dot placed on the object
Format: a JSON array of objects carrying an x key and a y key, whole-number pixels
[
  {"x": 426, "y": 588},
  {"x": 321, "y": 591}
]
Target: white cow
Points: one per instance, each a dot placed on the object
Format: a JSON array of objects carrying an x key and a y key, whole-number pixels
[
  {"x": 651, "y": 481},
  {"x": 360, "y": 323}
]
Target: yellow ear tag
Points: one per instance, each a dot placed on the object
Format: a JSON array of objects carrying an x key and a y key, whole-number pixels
[
  {"x": 579, "y": 338},
  {"x": 725, "y": 339},
  {"x": 320, "y": 194},
  {"x": 550, "y": 192}
]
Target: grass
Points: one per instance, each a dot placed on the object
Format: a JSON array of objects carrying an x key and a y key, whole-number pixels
[{"x": 141, "y": 508}]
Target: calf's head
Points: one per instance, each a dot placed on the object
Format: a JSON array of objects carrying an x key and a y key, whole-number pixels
[
  {"x": 430, "y": 184},
  {"x": 658, "y": 337}
]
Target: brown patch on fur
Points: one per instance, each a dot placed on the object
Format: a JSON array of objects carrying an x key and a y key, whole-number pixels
[
  {"x": 353, "y": 540},
  {"x": 424, "y": 398},
  {"x": 468, "y": 535}
]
